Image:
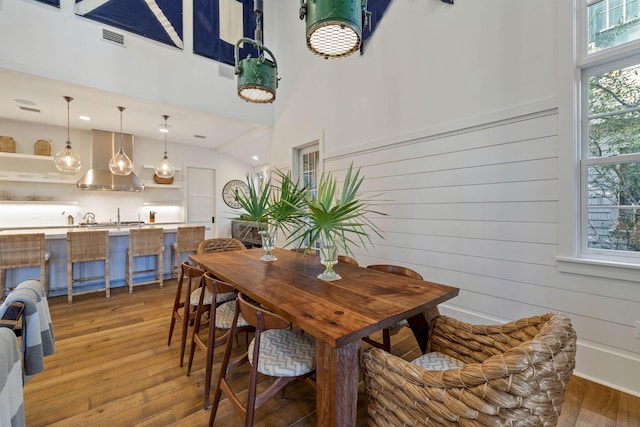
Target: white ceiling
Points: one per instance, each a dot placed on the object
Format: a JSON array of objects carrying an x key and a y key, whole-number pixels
[{"x": 141, "y": 118}]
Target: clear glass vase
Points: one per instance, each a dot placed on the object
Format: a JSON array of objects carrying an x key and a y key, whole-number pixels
[
  {"x": 268, "y": 238},
  {"x": 329, "y": 257}
]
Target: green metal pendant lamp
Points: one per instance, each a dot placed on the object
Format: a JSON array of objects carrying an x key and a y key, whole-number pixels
[
  {"x": 257, "y": 77},
  {"x": 334, "y": 27}
]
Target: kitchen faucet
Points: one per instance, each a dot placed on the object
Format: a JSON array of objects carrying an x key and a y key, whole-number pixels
[
  {"x": 118, "y": 223},
  {"x": 89, "y": 218}
]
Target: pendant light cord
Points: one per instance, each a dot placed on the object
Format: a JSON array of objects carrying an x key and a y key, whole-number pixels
[
  {"x": 121, "y": 110},
  {"x": 165, "y": 135}
]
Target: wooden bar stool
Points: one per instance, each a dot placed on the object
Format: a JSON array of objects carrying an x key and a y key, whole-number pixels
[
  {"x": 22, "y": 251},
  {"x": 144, "y": 242},
  {"x": 187, "y": 240},
  {"x": 86, "y": 246}
]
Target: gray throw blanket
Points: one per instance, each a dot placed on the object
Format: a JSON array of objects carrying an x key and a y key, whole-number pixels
[
  {"x": 11, "y": 398},
  {"x": 37, "y": 331}
]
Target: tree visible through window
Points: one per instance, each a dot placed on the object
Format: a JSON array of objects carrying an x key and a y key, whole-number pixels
[{"x": 611, "y": 129}]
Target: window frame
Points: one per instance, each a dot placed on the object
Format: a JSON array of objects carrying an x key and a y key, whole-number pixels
[{"x": 586, "y": 66}]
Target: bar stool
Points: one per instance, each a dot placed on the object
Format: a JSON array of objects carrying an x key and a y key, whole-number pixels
[
  {"x": 187, "y": 240},
  {"x": 21, "y": 251},
  {"x": 144, "y": 242},
  {"x": 86, "y": 246}
]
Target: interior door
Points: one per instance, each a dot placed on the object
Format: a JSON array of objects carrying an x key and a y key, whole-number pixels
[{"x": 201, "y": 198}]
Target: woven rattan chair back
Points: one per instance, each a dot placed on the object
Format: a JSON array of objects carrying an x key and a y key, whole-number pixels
[
  {"x": 23, "y": 251},
  {"x": 516, "y": 374},
  {"x": 85, "y": 246},
  {"x": 145, "y": 242},
  {"x": 187, "y": 240},
  {"x": 386, "y": 333},
  {"x": 220, "y": 244}
]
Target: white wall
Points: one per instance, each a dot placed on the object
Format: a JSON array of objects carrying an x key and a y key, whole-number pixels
[{"x": 458, "y": 115}]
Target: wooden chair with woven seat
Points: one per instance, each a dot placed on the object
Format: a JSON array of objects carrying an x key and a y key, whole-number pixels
[
  {"x": 187, "y": 240},
  {"x": 220, "y": 244},
  {"x": 217, "y": 317},
  {"x": 83, "y": 247},
  {"x": 145, "y": 242},
  {"x": 387, "y": 332},
  {"x": 476, "y": 375},
  {"x": 276, "y": 351},
  {"x": 345, "y": 259},
  {"x": 23, "y": 251},
  {"x": 189, "y": 282}
]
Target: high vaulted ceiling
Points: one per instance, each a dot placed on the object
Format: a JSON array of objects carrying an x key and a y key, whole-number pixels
[{"x": 35, "y": 99}]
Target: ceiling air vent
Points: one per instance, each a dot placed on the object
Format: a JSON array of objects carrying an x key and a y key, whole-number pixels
[
  {"x": 113, "y": 37},
  {"x": 32, "y": 110}
]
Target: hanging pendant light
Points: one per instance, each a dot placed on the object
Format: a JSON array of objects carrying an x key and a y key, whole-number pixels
[
  {"x": 120, "y": 163},
  {"x": 334, "y": 27},
  {"x": 67, "y": 160},
  {"x": 257, "y": 77},
  {"x": 164, "y": 168}
]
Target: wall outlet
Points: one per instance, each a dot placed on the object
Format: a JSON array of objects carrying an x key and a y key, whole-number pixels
[{"x": 638, "y": 329}]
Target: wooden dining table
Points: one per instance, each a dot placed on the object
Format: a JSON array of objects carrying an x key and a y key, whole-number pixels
[{"x": 337, "y": 313}]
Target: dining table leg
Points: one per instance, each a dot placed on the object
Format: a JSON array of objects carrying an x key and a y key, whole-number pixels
[
  {"x": 337, "y": 373},
  {"x": 419, "y": 325}
]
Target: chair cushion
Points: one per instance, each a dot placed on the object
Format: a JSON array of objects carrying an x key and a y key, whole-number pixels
[
  {"x": 225, "y": 313},
  {"x": 285, "y": 353},
  {"x": 208, "y": 297},
  {"x": 436, "y": 361}
]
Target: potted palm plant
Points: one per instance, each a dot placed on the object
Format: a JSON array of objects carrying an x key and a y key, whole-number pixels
[
  {"x": 272, "y": 208},
  {"x": 335, "y": 221}
]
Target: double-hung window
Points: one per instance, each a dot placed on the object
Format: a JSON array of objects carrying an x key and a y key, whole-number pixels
[{"x": 609, "y": 109}]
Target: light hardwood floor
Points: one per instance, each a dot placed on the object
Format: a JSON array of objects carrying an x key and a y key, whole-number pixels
[{"x": 113, "y": 368}]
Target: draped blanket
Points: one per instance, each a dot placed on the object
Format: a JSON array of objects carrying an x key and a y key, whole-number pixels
[
  {"x": 11, "y": 399},
  {"x": 37, "y": 331}
]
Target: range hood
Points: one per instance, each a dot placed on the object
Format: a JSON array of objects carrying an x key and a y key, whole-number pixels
[{"x": 104, "y": 144}]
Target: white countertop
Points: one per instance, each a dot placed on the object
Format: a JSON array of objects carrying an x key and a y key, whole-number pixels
[{"x": 61, "y": 232}]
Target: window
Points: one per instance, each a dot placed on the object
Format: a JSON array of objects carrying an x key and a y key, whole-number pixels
[
  {"x": 610, "y": 131},
  {"x": 309, "y": 169}
]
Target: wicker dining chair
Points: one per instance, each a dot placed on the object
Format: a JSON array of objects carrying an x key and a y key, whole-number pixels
[
  {"x": 220, "y": 244},
  {"x": 514, "y": 374}
]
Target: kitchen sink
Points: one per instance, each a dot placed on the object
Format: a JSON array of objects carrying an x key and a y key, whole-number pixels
[{"x": 111, "y": 224}]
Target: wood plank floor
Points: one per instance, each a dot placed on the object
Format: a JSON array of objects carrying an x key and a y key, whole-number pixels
[{"x": 113, "y": 368}]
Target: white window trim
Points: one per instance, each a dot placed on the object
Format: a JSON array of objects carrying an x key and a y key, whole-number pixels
[{"x": 591, "y": 262}]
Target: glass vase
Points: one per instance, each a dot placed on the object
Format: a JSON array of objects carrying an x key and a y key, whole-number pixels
[
  {"x": 268, "y": 237},
  {"x": 329, "y": 257}
]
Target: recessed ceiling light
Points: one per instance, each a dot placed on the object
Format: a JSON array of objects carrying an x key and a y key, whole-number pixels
[
  {"x": 24, "y": 101},
  {"x": 163, "y": 130},
  {"x": 85, "y": 118},
  {"x": 255, "y": 157}
]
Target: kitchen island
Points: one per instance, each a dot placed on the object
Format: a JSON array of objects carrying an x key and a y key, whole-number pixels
[{"x": 56, "y": 245}]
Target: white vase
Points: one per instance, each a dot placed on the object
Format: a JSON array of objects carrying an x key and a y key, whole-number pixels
[
  {"x": 268, "y": 238},
  {"x": 329, "y": 257}
]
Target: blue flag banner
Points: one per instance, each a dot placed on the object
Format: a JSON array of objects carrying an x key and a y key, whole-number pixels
[
  {"x": 159, "y": 20},
  {"x": 377, "y": 9},
  {"x": 219, "y": 24},
  {"x": 55, "y": 3}
]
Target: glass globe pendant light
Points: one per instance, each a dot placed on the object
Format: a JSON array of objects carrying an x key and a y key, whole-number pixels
[
  {"x": 164, "y": 168},
  {"x": 67, "y": 160},
  {"x": 120, "y": 163}
]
